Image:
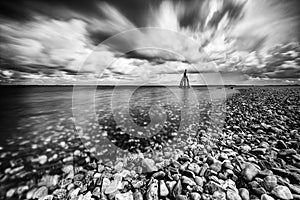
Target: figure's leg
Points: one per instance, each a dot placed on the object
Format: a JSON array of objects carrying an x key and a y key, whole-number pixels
[
  {"x": 184, "y": 83},
  {"x": 188, "y": 82}
]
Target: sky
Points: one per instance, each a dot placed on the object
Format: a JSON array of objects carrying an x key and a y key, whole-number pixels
[{"x": 149, "y": 42}]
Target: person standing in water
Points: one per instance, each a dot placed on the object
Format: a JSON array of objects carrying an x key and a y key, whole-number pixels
[{"x": 184, "y": 81}]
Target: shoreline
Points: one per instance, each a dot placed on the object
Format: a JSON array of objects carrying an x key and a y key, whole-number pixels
[{"x": 255, "y": 156}]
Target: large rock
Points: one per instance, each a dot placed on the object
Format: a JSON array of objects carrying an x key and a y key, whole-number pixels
[
  {"x": 282, "y": 192},
  {"x": 249, "y": 172}
]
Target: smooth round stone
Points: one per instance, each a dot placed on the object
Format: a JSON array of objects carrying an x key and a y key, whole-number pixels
[
  {"x": 282, "y": 192},
  {"x": 195, "y": 196},
  {"x": 269, "y": 182},
  {"x": 249, "y": 172},
  {"x": 194, "y": 167},
  {"x": 244, "y": 193},
  {"x": 227, "y": 165},
  {"x": 266, "y": 197},
  {"x": 10, "y": 193},
  {"x": 199, "y": 181},
  {"x": 159, "y": 175}
]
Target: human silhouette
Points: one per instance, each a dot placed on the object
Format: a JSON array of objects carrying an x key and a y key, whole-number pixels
[{"x": 184, "y": 83}]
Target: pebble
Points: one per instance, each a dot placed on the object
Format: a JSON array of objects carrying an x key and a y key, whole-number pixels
[
  {"x": 282, "y": 192},
  {"x": 124, "y": 196},
  {"x": 244, "y": 194},
  {"x": 195, "y": 196},
  {"x": 163, "y": 190},
  {"x": 152, "y": 192},
  {"x": 149, "y": 165},
  {"x": 266, "y": 197},
  {"x": 269, "y": 182},
  {"x": 232, "y": 195},
  {"x": 249, "y": 172}
]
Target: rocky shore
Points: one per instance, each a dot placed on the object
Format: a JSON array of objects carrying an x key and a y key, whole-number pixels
[{"x": 255, "y": 155}]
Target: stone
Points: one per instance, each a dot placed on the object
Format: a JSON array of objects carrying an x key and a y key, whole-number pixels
[
  {"x": 203, "y": 169},
  {"x": 42, "y": 159},
  {"x": 188, "y": 181},
  {"x": 177, "y": 190},
  {"x": 282, "y": 192},
  {"x": 195, "y": 196},
  {"x": 259, "y": 151},
  {"x": 216, "y": 166},
  {"x": 227, "y": 165},
  {"x": 60, "y": 193},
  {"x": 97, "y": 192},
  {"x": 219, "y": 195},
  {"x": 181, "y": 197},
  {"x": 124, "y": 196},
  {"x": 137, "y": 195},
  {"x": 212, "y": 186},
  {"x": 294, "y": 188},
  {"x": 152, "y": 192},
  {"x": 40, "y": 192},
  {"x": 163, "y": 190},
  {"x": 170, "y": 185},
  {"x": 188, "y": 173},
  {"x": 194, "y": 167},
  {"x": 10, "y": 193},
  {"x": 266, "y": 197},
  {"x": 48, "y": 197},
  {"x": 74, "y": 193},
  {"x": 249, "y": 172},
  {"x": 159, "y": 175},
  {"x": 149, "y": 165},
  {"x": 199, "y": 181},
  {"x": 269, "y": 182},
  {"x": 232, "y": 195},
  {"x": 113, "y": 186},
  {"x": 244, "y": 194}
]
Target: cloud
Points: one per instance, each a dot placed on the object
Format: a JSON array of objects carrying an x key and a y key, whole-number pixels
[{"x": 49, "y": 42}]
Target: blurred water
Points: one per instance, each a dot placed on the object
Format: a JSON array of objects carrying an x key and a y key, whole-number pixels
[{"x": 27, "y": 112}]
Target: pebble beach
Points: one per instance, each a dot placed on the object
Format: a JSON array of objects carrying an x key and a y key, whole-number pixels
[{"x": 253, "y": 155}]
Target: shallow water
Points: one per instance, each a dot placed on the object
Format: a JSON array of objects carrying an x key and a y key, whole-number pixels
[{"x": 29, "y": 111}]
